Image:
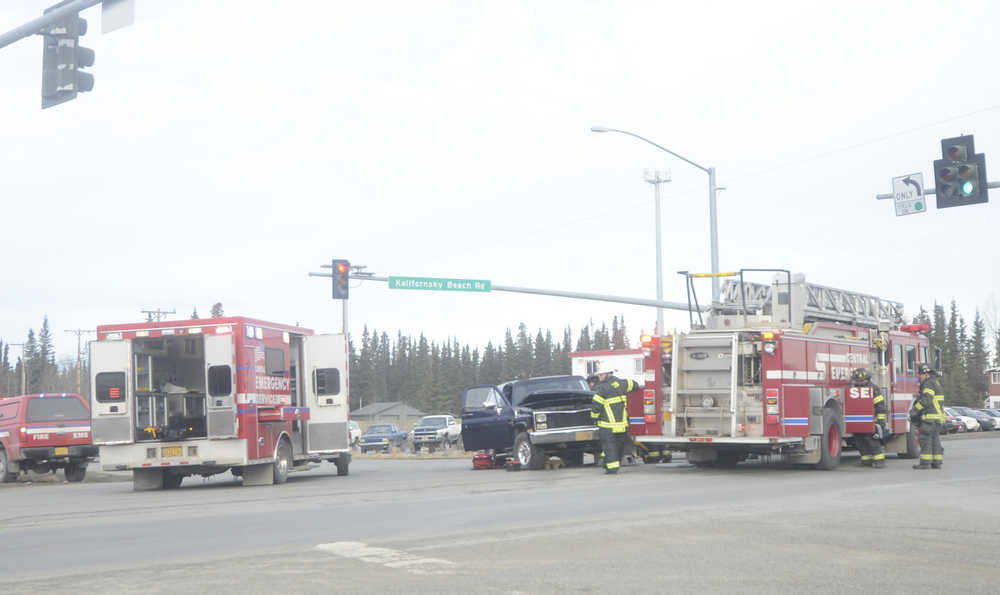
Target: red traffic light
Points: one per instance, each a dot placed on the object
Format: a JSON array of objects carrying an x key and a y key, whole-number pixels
[{"x": 342, "y": 267}]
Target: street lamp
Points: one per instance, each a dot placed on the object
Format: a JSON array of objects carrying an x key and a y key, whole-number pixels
[
  {"x": 656, "y": 178},
  {"x": 712, "y": 190}
]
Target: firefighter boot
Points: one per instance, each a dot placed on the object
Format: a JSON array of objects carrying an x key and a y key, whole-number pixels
[
  {"x": 922, "y": 465},
  {"x": 936, "y": 465},
  {"x": 879, "y": 464}
]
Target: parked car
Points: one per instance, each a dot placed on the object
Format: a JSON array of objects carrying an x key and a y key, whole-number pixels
[
  {"x": 531, "y": 419},
  {"x": 354, "y": 433},
  {"x": 382, "y": 437},
  {"x": 971, "y": 424},
  {"x": 435, "y": 431},
  {"x": 986, "y": 421},
  {"x": 43, "y": 433},
  {"x": 995, "y": 414},
  {"x": 953, "y": 425}
]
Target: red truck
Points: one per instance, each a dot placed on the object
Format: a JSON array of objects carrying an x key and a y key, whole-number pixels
[
  {"x": 767, "y": 373},
  {"x": 43, "y": 433},
  {"x": 174, "y": 399}
]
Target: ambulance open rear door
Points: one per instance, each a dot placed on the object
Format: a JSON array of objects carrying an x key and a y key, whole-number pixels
[
  {"x": 325, "y": 364},
  {"x": 111, "y": 389}
]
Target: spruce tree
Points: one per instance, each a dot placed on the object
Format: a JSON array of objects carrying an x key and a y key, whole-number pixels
[
  {"x": 216, "y": 311},
  {"x": 584, "y": 343},
  {"x": 978, "y": 361},
  {"x": 525, "y": 353}
]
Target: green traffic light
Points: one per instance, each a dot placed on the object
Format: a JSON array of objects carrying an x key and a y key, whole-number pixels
[{"x": 968, "y": 188}]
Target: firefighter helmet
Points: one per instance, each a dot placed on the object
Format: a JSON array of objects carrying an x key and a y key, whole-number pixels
[
  {"x": 860, "y": 375},
  {"x": 924, "y": 369}
]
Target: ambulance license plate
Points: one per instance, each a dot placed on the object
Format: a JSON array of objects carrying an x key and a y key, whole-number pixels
[
  {"x": 172, "y": 451},
  {"x": 61, "y": 451}
]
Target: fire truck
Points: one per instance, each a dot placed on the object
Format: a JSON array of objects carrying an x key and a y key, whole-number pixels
[
  {"x": 767, "y": 374},
  {"x": 174, "y": 399}
]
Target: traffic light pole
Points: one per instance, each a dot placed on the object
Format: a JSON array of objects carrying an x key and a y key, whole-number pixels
[
  {"x": 556, "y": 293},
  {"x": 991, "y": 185},
  {"x": 36, "y": 26}
]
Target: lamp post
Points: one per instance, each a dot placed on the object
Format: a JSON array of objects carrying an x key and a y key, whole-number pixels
[
  {"x": 656, "y": 178},
  {"x": 712, "y": 190}
]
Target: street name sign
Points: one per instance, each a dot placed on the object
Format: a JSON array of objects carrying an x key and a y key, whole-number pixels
[
  {"x": 435, "y": 284},
  {"x": 908, "y": 194}
]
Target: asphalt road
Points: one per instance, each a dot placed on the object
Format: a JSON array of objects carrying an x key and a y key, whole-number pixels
[{"x": 437, "y": 526}]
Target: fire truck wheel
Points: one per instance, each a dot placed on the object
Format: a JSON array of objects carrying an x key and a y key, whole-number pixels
[
  {"x": 729, "y": 458},
  {"x": 5, "y": 476},
  {"x": 526, "y": 453},
  {"x": 282, "y": 462},
  {"x": 75, "y": 471},
  {"x": 829, "y": 451}
]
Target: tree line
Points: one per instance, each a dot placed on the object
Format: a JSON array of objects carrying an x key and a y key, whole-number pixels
[
  {"x": 965, "y": 352},
  {"x": 430, "y": 376}
]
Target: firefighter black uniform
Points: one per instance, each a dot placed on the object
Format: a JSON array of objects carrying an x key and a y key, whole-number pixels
[
  {"x": 609, "y": 408},
  {"x": 872, "y": 450},
  {"x": 928, "y": 413}
]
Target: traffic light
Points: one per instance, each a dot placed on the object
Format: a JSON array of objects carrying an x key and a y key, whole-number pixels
[
  {"x": 62, "y": 59},
  {"x": 960, "y": 176},
  {"x": 341, "y": 279}
]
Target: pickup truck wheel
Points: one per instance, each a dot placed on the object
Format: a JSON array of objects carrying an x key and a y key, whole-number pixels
[
  {"x": 6, "y": 476},
  {"x": 431, "y": 448},
  {"x": 75, "y": 471},
  {"x": 416, "y": 448},
  {"x": 526, "y": 453}
]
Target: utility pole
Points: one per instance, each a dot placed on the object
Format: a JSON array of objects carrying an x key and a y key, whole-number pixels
[
  {"x": 79, "y": 333},
  {"x": 23, "y": 363},
  {"x": 657, "y": 177},
  {"x": 157, "y": 313}
]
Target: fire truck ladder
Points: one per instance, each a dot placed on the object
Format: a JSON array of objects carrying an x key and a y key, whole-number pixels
[{"x": 802, "y": 302}]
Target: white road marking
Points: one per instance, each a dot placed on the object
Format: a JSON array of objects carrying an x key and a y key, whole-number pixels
[{"x": 388, "y": 557}]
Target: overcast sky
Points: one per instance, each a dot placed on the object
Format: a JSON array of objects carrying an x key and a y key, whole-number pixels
[{"x": 229, "y": 148}]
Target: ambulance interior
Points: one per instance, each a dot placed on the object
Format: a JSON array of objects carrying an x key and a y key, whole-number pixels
[{"x": 169, "y": 375}]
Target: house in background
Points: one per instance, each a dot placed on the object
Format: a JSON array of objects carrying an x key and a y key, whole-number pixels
[
  {"x": 993, "y": 388},
  {"x": 395, "y": 412}
]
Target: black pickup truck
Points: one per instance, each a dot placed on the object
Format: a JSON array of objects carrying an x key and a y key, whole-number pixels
[{"x": 531, "y": 420}]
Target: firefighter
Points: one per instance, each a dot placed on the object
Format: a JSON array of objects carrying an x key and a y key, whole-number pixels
[
  {"x": 609, "y": 409},
  {"x": 928, "y": 413},
  {"x": 872, "y": 451}
]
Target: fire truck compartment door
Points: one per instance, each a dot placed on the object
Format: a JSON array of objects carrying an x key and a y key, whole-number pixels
[
  {"x": 220, "y": 383},
  {"x": 325, "y": 363},
  {"x": 111, "y": 392}
]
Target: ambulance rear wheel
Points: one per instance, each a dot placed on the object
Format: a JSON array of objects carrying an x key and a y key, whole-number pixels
[
  {"x": 5, "y": 475},
  {"x": 343, "y": 463},
  {"x": 282, "y": 462},
  {"x": 830, "y": 441},
  {"x": 75, "y": 471},
  {"x": 172, "y": 481}
]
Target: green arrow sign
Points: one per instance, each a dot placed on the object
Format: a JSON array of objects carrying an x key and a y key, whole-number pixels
[{"x": 434, "y": 284}]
